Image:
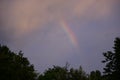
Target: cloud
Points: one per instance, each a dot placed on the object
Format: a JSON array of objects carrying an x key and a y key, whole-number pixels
[{"x": 22, "y": 17}]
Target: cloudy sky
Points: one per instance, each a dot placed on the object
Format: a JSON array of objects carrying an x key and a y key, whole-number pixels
[{"x": 53, "y": 32}]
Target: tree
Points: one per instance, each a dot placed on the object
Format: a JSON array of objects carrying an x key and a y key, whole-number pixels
[
  {"x": 112, "y": 61},
  {"x": 95, "y": 75},
  {"x": 63, "y": 73},
  {"x": 55, "y": 73},
  {"x": 14, "y": 66},
  {"x": 77, "y": 74}
]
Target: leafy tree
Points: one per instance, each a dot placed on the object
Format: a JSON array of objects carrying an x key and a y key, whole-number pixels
[
  {"x": 62, "y": 73},
  {"x": 112, "y": 61},
  {"x": 95, "y": 75},
  {"x": 77, "y": 74},
  {"x": 55, "y": 73},
  {"x": 14, "y": 66}
]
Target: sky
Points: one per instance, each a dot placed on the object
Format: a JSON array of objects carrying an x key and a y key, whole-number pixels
[{"x": 53, "y": 32}]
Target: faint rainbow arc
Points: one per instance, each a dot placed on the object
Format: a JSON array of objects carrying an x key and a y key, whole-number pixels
[{"x": 69, "y": 32}]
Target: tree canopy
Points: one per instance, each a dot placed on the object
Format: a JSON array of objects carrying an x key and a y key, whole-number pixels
[
  {"x": 112, "y": 61},
  {"x": 63, "y": 73},
  {"x": 13, "y": 66}
]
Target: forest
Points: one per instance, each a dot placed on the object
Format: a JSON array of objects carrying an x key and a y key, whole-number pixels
[{"x": 14, "y": 66}]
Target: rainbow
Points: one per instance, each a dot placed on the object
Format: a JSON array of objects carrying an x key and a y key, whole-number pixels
[{"x": 69, "y": 32}]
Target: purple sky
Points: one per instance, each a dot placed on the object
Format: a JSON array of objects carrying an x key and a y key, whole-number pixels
[{"x": 53, "y": 32}]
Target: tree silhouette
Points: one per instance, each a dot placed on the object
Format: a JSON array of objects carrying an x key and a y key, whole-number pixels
[
  {"x": 77, "y": 74},
  {"x": 14, "y": 66},
  {"x": 112, "y": 61},
  {"x": 55, "y": 73},
  {"x": 95, "y": 75},
  {"x": 63, "y": 73}
]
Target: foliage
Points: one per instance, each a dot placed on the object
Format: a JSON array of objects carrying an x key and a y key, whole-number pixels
[
  {"x": 112, "y": 61},
  {"x": 62, "y": 73},
  {"x": 77, "y": 74},
  {"x": 14, "y": 66},
  {"x": 95, "y": 75}
]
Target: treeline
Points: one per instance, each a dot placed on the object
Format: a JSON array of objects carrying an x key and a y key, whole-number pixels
[
  {"x": 14, "y": 66},
  {"x": 63, "y": 73}
]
